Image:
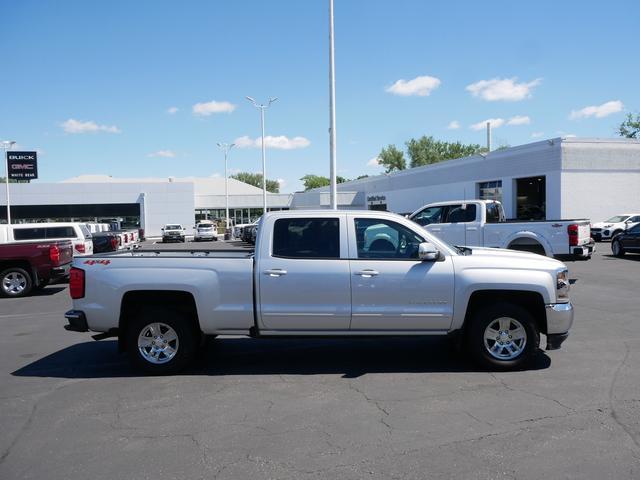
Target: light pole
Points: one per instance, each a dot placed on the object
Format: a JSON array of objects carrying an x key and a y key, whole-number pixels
[
  {"x": 262, "y": 108},
  {"x": 332, "y": 114},
  {"x": 225, "y": 147},
  {"x": 6, "y": 146}
]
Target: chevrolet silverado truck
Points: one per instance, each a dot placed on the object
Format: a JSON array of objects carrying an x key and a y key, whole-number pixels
[
  {"x": 28, "y": 266},
  {"x": 323, "y": 273},
  {"x": 482, "y": 223}
]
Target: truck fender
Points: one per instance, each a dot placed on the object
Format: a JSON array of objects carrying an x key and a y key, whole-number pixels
[{"x": 525, "y": 234}]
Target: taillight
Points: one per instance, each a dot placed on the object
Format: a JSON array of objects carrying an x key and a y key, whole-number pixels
[
  {"x": 76, "y": 283},
  {"x": 54, "y": 254},
  {"x": 80, "y": 247},
  {"x": 572, "y": 230},
  {"x": 126, "y": 238},
  {"x": 114, "y": 243}
]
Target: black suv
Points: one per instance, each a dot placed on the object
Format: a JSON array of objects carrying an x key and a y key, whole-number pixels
[{"x": 627, "y": 242}]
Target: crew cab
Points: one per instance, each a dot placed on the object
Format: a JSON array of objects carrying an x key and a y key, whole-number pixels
[
  {"x": 483, "y": 223},
  {"x": 173, "y": 232},
  {"x": 614, "y": 226},
  {"x": 324, "y": 273},
  {"x": 78, "y": 233},
  {"x": 28, "y": 266}
]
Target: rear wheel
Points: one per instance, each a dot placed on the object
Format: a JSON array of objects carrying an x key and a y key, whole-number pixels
[
  {"x": 617, "y": 249},
  {"x": 15, "y": 282},
  {"x": 161, "y": 342},
  {"x": 503, "y": 336}
]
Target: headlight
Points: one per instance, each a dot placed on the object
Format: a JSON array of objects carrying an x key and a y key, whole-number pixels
[{"x": 562, "y": 285}]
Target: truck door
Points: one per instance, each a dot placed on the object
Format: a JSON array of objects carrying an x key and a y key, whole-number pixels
[
  {"x": 302, "y": 274},
  {"x": 391, "y": 289},
  {"x": 461, "y": 225}
]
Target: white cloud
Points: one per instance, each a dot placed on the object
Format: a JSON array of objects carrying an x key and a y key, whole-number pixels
[
  {"x": 77, "y": 126},
  {"x": 280, "y": 143},
  {"x": 163, "y": 153},
  {"x": 537, "y": 134},
  {"x": 519, "y": 120},
  {"x": 507, "y": 89},
  {"x": 495, "y": 123},
  {"x": 453, "y": 125},
  {"x": 598, "y": 111},
  {"x": 374, "y": 162},
  {"x": 420, "y": 86},
  {"x": 208, "y": 108},
  {"x": 172, "y": 110}
]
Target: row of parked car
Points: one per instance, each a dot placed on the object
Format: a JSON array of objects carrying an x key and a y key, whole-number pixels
[
  {"x": 34, "y": 254},
  {"x": 246, "y": 232},
  {"x": 623, "y": 230}
]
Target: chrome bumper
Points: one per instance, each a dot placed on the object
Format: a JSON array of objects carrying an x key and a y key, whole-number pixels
[{"x": 559, "y": 317}]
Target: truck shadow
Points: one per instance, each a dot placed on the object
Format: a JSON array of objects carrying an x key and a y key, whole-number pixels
[{"x": 243, "y": 356}]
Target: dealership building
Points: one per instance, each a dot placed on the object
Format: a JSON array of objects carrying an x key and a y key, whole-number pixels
[
  {"x": 550, "y": 179},
  {"x": 148, "y": 203}
]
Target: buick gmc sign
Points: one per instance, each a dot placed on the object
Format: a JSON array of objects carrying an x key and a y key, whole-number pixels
[{"x": 22, "y": 165}]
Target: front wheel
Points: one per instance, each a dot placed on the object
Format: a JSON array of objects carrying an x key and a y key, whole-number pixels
[
  {"x": 503, "y": 336},
  {"x": 15, "y": 282},
  {"x": 161, "y": 342},
  {"x": 617, "y": 249}
]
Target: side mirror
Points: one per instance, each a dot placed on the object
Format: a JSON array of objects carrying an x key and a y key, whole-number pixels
[
  {"x": 162, "y": 229},
  {"x": 427, "y": 252}
]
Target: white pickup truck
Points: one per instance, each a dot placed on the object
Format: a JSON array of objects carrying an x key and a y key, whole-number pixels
[
  {"x": 482, "y": 223},
  {"x": 324, "y": 273}
]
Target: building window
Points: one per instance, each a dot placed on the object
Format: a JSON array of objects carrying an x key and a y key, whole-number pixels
[
  {"x": 531, "y": 193},
  {"x": 490, "y": 190}
]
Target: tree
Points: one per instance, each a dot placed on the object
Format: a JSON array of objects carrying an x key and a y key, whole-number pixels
[
  {"x": 427, "y": 150},
  {"x": 392, "y": 159},
  {"x": 315, "y": 181},
  {"x": 255, "y": 179},
  {"x": 630, "y": 128}
]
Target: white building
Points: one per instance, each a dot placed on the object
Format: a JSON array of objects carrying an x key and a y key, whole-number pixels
[
  {"x": 553, "y": 179},
  {"x": 147, "y": 203}
]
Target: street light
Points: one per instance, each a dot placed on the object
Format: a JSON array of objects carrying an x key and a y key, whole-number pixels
[
  {"x": 225, "y": 147},
  {"x": 262, "y": 108},
  {"x": 6, "y": 146},
  {"x": 333, "y": 186}
]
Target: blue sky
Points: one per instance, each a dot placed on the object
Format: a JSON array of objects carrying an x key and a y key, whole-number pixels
[{"x": 90, "y": 84}]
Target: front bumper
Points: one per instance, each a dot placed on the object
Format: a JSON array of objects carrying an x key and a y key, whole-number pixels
[
  {"x": 77, "y": 321},
  {"x": 559, "y": 317}
]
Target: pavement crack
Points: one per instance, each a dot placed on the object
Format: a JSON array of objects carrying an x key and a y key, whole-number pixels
[
  {"x": 377, "y": 405},
  {"x": 632, "y": 435},
  {"x": 528, "y": 392}
]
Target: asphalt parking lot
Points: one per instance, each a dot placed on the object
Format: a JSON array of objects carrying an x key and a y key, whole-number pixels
[{"x": 382, "y": 408}]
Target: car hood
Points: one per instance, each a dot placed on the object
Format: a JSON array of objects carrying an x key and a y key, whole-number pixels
[
  {"x": 504, "y": 255},
  {"x": 604, "y": 225}
]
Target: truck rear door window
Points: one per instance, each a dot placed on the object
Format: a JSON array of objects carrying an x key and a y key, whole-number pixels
[
  {"x": 306, "y": 238},
  {"x": 458, "y": 214}
]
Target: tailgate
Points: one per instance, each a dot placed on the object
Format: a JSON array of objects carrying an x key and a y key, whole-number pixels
[{"x": 584, "y": 233}]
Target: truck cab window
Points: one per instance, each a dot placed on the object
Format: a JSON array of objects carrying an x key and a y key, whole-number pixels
[
  {"x": 458, "y": 214},
  {"x": 493, "y": 213},
  {"x": 306, "y": 238},
  {"x": 428, "y": 216},
  {"x": 384, "y": 239}
]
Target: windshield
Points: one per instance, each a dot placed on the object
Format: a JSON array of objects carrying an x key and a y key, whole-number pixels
[
  {"x": 173, "y": 227},
  {"x": 617, "y": 219}
]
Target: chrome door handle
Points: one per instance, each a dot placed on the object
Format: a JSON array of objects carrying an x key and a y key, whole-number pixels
[
  {"x": 367, "y": 273},
  {"x": 276, "y": 272}
]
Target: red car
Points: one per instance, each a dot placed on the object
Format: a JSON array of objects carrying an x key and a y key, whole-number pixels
[{"x": 25, "y": 266}]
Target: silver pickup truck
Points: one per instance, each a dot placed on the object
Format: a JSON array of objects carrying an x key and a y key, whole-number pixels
[{"x": 324, "y": 273}]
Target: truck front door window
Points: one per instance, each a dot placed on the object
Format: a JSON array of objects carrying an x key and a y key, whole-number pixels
[
  {"x": 428, "y": 216},
  {"x": 384, "y": 239}
]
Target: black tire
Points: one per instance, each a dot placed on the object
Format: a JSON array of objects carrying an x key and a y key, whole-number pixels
[
  {"x": 617, "y": 249},
  {"x": 186, "y": 346},
  {"x": 15, "y": 274},
  {"x": 483, "y": 318}
]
